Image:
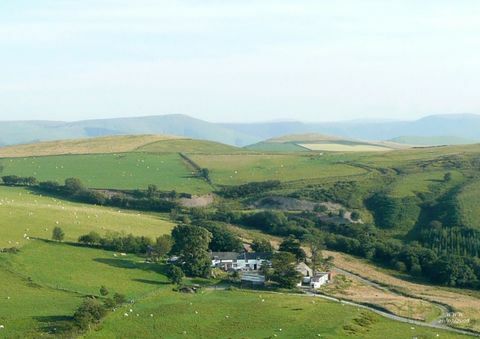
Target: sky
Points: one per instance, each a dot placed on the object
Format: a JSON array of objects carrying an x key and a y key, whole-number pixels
[{"x": 239, "y": 60}]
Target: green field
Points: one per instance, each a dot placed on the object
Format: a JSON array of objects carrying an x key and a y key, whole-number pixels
[
  {"x": 239, "y": 169},
  {"x": 240, "y": 314},
  {"x": 276, "y": 147},
  {"x": 187, "y": 146},
  {"x": 84, "y": 270},
  {"x": 24, "y": 213},
  {"x": 27, "y": 309},
  {"x": 112, "y": 171}
]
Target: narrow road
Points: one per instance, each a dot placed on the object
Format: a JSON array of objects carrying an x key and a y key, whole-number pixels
[{"x": 438, "y": 321}]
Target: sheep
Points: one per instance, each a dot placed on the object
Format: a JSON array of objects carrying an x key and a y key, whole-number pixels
[{"x": 2, "y": 327}]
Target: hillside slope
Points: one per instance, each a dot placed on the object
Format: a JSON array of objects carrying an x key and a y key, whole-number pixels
[
  {"x": 465, "y": 126},
  {"x": 116, "y": 144}
]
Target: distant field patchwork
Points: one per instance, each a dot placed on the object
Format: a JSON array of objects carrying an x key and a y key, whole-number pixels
[
  {"x": 115, "y": 171},
  {"x": 334, "y": 147}
]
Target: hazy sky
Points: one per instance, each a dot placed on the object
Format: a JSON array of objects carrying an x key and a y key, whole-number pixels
[{"x": 243, "y": 60}]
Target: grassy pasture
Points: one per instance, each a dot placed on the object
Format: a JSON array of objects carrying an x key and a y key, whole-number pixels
[
  {"x": 276, "y": 147},
  {"x": 242, "y": 314},
  {"x": 22, "y": 212},
  {"x": 421, "y": 182},
  {"x": 187, "y": 146},
  {"x": 241, "y": 168},
  {"x": 114, "y": 171},
  {"x": 110, "y": 144},
  {"x": 84, "y": 270},
  {"x": 25, "y": 307},
  {"x": 339, "y": 147}
]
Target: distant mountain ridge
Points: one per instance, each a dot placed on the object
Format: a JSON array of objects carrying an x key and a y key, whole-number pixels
[{"x": 448, "y": 128}]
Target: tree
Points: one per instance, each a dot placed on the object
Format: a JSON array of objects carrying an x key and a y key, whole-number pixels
[
  {"x": 163, "y": 245},
  {"x": 262, "y": 245},
  {"x": 104, "y": 291},
  {"x": 73, "y": 185},
  {"x": 318, "y": 208},
  {"x": 223, "y": 240},
  {"x": 90, "y": 311},
  {"x": 292, "y": 245},
  {"x": 175, "y": 274},
  {"x": 284, "y": 272},
  {"x": 316, "y": 245},
  {"x": 204, "y": 173},
  {"x": 447, "y": 177},
  {"x": 152, "y": 191},
  {"x": 92, "y": 238},
  {"x": 58, "y": 234},
  {"x": 191, "y": 244},
  {"x": 119, "y": 299},
  {"x": 355, "y": 215}
]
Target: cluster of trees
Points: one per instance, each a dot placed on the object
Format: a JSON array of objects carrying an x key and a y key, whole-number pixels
[
  {"x": 13, "y": 180},
  {"x": 129, "y": 243},
  {"x": 461, "y": 241},
  {"x": 93, "y": 310},
  {"x": 252, "y": 188}
]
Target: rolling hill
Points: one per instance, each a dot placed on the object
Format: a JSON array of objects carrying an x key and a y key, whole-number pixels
[
  {"x": 116, "y": 144},
  {"x": 460, "y": 127}
]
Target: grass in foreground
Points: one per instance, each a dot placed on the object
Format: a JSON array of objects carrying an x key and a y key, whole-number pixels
[
  {"x": 28, "y": 310},
  {"x": 242, "y": 314}
]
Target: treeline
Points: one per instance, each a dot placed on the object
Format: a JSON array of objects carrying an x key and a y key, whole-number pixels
[
  {"x": 14, "y": 180},
  {"x": 149, "y": 200},
  {"x": 456, "y": 240},
  {"x": 251, "y": 188},
  {"x": 114, "y": 241},
  {"x": 451, "y": 268}
]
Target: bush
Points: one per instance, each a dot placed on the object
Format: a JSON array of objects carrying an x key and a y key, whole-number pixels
[{"x": 91, "y": 311}]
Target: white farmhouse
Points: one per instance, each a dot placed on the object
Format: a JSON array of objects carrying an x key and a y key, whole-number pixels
[
  {"x": 320, "y": 279},
  {"x": 229, "y": 261}
]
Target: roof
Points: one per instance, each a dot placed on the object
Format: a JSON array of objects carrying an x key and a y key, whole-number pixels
[
  {"x": 241, "y": 256},
  {"x": 318, "y": 276},
  {"x": 224, "y": 255}
]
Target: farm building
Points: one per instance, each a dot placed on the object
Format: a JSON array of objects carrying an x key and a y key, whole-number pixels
[
  {"x": 228, "y": 261},
  {"x": 320, "y": 279}
]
